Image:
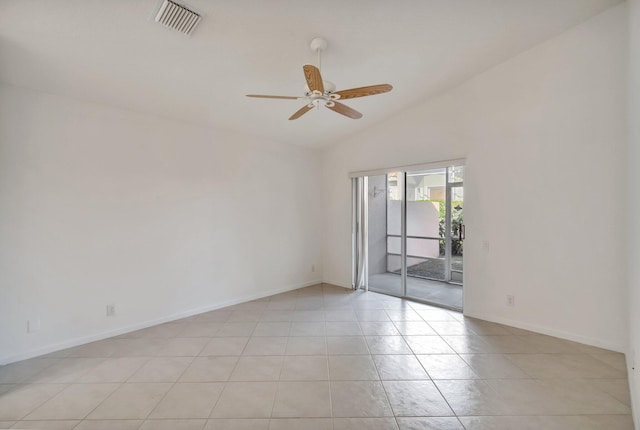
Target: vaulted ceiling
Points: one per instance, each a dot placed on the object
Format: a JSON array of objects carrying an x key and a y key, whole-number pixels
[{"x": 112, "y": 52}]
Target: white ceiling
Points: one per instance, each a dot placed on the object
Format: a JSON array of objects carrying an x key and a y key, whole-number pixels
[{"x": 111, "y": 52}]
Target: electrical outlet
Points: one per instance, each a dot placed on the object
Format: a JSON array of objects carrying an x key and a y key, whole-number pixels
[
  {"x": 511, "y": 300},
  {"x": 111, "y": 310},
  {"x": 33, "y": 326}
]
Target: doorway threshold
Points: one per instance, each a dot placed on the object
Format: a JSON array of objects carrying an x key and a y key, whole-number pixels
[{"x": 437, "y": 293}]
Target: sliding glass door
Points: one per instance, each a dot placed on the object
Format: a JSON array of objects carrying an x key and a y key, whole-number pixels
[{"x": 411, "y": 232}]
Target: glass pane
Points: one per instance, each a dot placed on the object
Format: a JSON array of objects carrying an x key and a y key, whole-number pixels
[
  {"x": 425, "y": 258},
  {"x": 457, "y": 209},
  {"x": 456, "y": 174},
  {"x": 457, "y": 233},
  {"x": 385, "y": 206}
]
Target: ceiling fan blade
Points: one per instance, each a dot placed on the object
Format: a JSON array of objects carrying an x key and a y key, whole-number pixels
[
  {"x": 313, "y": 77},
  {"x": 364, "y": 91},
  {"x": 345, "y": 110},
  {"x": 301, "y": 111},
  {"x": 260, "y": 96}
]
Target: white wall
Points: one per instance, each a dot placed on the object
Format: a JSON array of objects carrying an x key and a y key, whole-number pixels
[
  {"x": 160, "y": 218},
  {"x": 634, "y": 207},
  {"x": 535, "y": 131}
]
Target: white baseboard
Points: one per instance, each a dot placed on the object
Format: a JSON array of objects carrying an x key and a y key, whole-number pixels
[
  {"x": 551, "y": 332},
  {"x": 47, "y": 349},
  {"x": 338, "y": 284}
]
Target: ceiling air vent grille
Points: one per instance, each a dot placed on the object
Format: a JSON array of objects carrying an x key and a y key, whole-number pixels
[{"x": 177, "y": 17}]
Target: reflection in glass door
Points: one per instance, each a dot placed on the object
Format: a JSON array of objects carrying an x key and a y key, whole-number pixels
[
  {"x": 414, "y": 234},
  {"x": 385, "y": 215}
]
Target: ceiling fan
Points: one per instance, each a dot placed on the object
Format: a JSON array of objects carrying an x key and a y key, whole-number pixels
[{"x": 319, "y": 92}]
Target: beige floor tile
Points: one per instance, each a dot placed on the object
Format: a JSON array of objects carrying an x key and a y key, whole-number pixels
[
  {"x": 598, "y": 422},
  {"x": 511, "y": 423},
  {"x": 307, "y": 315},
  {"x": 301, "y": 423},
  {"x": 435, "y": 314},
  {"x": 109, "y": 425},
  {"x": 550, "y": 345},
  {"x": 343, "y": 328},
  {"x": 269, "y": 328},
  {"x": 183, "y": 347},
  {"x": 201, "y": 329},
  {"x": 614, "y": 359},
  {"x": 399, "y": 367},
  {"x": 188, "y": 400},
  {"x": 416, "y": 399},
  {"x": 103, "y": 348},
  {"x": 277, "y": 316},
  {"x": 74, "y": 402},
  {"x": 210, "y": 369},
  {"x": 23, "y": 370},
  {"x": 266, "y": 346},
  {"x": 379, "y": 328},
  {"x": 257, "y": 368},
  {"x": 430, "y": 423},
  {"x": 237, "y": 424},
  {"x": 244, "y": 316},
  {"x": 388, "y": 345},
  {"x": 286, "y": 347},
  {"x": 117, "y": 369},
  {"x": 364, "y": 424},
  {"x": 485, "y": 327},
  {"x": 378, "y": 315},
  {"x": 162, "y": 331},
  {"x": 66, "y": 370},
  {"x": 352, "y": 368},
  {"x": 347, "y": 345},
  {"x": 414, "y": 328},
  {"x": 188, "y": 424},
  {"x": 302, "y": 399},
  {"x": 6, "y": 424},
  {"x": 131, "y": 401},
  {"x": 220, "y": 315},
  {"x": 475, "y": 397},
  {"x": 446, "y": 366},
  {"x": 469, "y": 344},
  {"x": 161, "y": 369},
  {"x": 246, "y": 400},
  {"x": 237, "y": 329},
  {"x": 225, "y": 346},
  {"x": 493, "y": 366},
  {"x": 450, "y": 328},
  {"x": 311, "y": 328},
  {"x": 46, "y": 425},
  {"x": 137, "y": 347},
  {"x": 306, "y": 346},
  {"x": 616, "y": 388},
  {"x": 428, "y": 345},
  {"x": 305, "y": 368},
  {"x": 345, "y": 315},
  {"x": 16, "y": 401},
  {"x": 555, "y": 397},
  {"x": 403, "y": 315},
  {"x": 590, "y": 422},
  {"x": 356, "y": 399},
  {"x": 565, "y": 366},
  {"x": 509, "y": 345}
]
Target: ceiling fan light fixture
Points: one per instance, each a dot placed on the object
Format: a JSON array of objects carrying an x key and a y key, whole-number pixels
[{"x": 319, "y": 91}]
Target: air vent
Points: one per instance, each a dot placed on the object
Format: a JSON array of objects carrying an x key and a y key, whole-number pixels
[{"x": 177, "y": 17}]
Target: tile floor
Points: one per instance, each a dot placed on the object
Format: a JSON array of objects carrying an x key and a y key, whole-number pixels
[{"x": 321, "y": 358}]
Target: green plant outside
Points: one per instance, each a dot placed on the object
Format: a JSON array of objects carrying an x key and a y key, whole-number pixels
[{"x": 456, "y": 220}]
